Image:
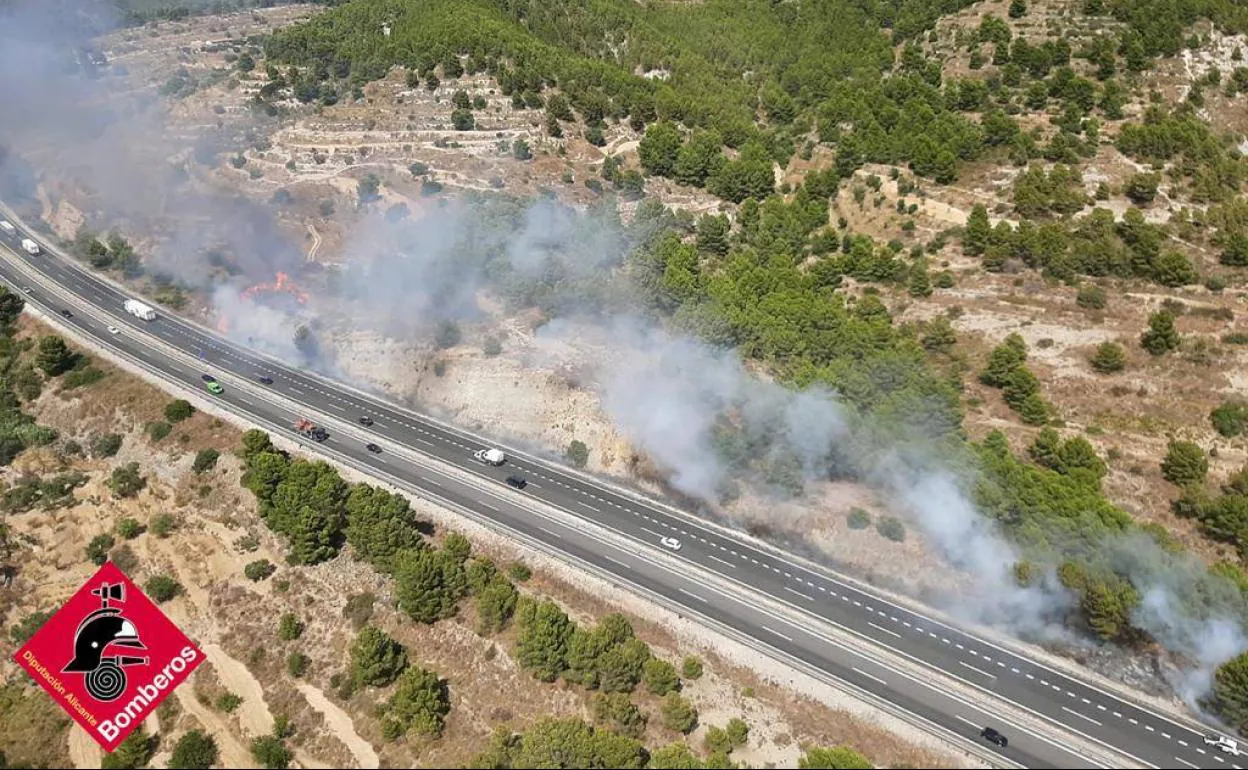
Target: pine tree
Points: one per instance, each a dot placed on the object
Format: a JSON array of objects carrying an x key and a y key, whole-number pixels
[
  {"x": 1161, "y": 336},
  {"x": 1109, "y": 358},
  {"x": 978, "y": 231}
]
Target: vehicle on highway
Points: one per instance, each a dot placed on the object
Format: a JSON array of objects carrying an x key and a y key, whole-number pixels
[
  {"x": 373, "y": 448},
  {"x": 670, "y": 542},
  {"x": 25, "y": 290},
  {"x": 67, "y": 314},
  {"x": 139, "y": 310},
  {"x": 264, "y": 380},
  {"x": 215, "y": 388},
  {"x": 1223, "y": 744},
  {"x": 7, "y": 227},
  {"x": 207, "y": 378},
  {"x": 113, "y": 330},
  {"x": 366, "y": 420},
  {"x": 489, "y": 456},
  {"x": 30, "y": 247},
  {"x": 519, "y": 482},
  {"x": 311, "y": 430},
  {"x": 992, "y": 736}
]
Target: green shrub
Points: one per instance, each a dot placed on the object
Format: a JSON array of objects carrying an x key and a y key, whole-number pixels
[
  {"x": 891, "y": 528},
  {"x": 1185, "y": 463},
  {"x": 162, "y": 588},
  {"x": 1230, "y": 418},
  {"x": 259, "y": 570},
  {"x": 289, "y": 627},
  {"x": 178, "y": 410},
  {"x": 162, "y": 524},
  {"x": 105, "y": 445},
  {"x": 126, "y": 481},
  {"x": 857, "y": 518},
  {"x": 98, "y": 548},
  {"x": 1091, "y": 297},
  {"x": 158, "y": 430},
  {"x": 205, "y": 460},
  {"x": 296, "y": 664},
  {"x": 577, "y": 453},
  {"x": 691, "y": 668},
  {"x": 519, "y": 572},
  {"x": 228, "y": 702},
  {"x": 129, "y": 528}
]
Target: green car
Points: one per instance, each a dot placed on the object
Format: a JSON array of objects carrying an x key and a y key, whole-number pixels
[{"x": 215, "y": 387}]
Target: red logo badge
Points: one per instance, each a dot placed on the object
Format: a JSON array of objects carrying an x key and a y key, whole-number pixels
[{"x": 109, "y": 656}]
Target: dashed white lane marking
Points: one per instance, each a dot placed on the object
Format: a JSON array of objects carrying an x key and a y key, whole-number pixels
[
  {"x": 695, "y": 596},
  {"x": 550, "y": 532},
  {"x": 617, "y": 561},
  {"x": 976, "y": 670},
  {"x": 1184, "y": 761},
  {"x": 721, "y": 561},
  {"x": 424, "y": 441},
  {"x": 1081, "y": 716},
  {"x": 593, "y": 508},
  {"x": 869, "y": 676},
  {"x": 492, "y": 508},
  {"x": 807, "y": 597},
  {"x": 777, "y": 633},
  {"x": 964, "y": 719},
  {"x": 1133, "y": 720},
  {"x": 1149, "y": 728},
  {"x": 882, "y": 628}
]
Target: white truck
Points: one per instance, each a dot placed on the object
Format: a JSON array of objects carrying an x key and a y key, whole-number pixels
[
  {"x": 139, "y": 310},
  {"x": 30, "y": 247},
  {"x": 7, "y": 227},
  {"x": 490, "y": 456}
]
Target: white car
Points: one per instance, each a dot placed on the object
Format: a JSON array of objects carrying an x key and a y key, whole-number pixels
[
  {"x": 114, "y": 330},
  {"x": 670, "y": 542},
  {"x": 1223, "y": 744},
  {"x": 25, "y": 290}
]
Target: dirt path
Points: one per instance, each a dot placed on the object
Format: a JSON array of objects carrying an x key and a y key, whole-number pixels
[
  {"x": 316, "y": 242},
  {"x": 84, "y": 752},
  {"x": 253, "y": 713},
  {"x": 340, "y": 724},
  {"x": 233, "y": 753}
]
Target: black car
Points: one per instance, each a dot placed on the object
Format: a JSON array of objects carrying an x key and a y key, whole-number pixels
[
  {"x": 992, "y": 736},
  {"x": 264, "y": 380},
  {"x": 366, "y": 421},
  {"x": 207, "y": 378},
  {"x": 67, "y": 314},
  {"x": 373, "y": 448},
  {"x": 517, "y": 481}
]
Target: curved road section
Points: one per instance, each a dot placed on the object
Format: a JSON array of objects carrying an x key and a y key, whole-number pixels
[{"x": 1053, "y": 702}]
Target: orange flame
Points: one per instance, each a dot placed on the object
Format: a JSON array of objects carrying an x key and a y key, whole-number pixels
[{"x": 283, "y": 285}]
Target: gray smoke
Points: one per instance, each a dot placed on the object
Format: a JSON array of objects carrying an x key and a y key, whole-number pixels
[{"x": 677, "y": 399}]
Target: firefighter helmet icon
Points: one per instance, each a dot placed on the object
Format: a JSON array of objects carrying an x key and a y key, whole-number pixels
[{"x": 98, "y": 632}]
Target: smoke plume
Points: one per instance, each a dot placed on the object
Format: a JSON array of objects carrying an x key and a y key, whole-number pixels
[{"x": 695, "y": 410}]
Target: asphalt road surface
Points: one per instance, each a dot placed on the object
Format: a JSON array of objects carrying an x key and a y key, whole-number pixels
[{"x": 1054, "y": 700}]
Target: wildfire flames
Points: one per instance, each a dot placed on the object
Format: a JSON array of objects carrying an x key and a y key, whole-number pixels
[{"x": 282, "y": 285}]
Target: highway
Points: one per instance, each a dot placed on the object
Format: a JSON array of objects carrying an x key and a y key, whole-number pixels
[{"x": 811, "y": 599}]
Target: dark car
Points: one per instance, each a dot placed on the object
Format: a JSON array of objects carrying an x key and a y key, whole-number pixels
[
  {"x": 373, "y": 448},
  {"x": 207, "y": 378},
  {"x": 517, "y": 481},
  {"x": 992, "y": 736},
  {"x": 366, "y": 421},
  {"x": 264, "y": 380},
  {"x": 67, "y": 314}
]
